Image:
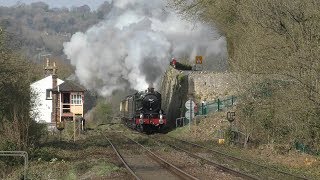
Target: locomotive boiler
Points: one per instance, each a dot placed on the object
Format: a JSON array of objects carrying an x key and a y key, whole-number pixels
[{"x": 142, "y": 111}]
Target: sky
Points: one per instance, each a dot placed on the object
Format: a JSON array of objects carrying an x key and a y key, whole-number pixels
[{"x": 57, "y": 3}]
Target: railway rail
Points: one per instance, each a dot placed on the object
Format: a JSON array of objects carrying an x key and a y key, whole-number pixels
[
  {"x": 252, "y": 169},
  {"x": 122, "y": 160},
  {"x": 173, "y": 171},
  {"x": 219, "y": 166},
  {"x": 209, "y": 162},
  {"x": 230, "y": 164}
]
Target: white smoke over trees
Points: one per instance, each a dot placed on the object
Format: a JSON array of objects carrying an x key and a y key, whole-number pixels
[{"x": 132, "y": 47}]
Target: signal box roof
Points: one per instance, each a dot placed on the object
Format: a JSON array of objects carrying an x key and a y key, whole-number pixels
[{"x": 69, "y": 86}]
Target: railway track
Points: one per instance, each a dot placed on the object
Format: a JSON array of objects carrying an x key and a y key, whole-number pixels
[
  {"x": 143, "y": 163},
  {"x": 222, "y": 167},
  {"x": 229, "y": 163},
  {"x": 209, "y": 162}
]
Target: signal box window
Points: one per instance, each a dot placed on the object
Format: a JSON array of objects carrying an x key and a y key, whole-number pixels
[{"x": 76, "y": 99}]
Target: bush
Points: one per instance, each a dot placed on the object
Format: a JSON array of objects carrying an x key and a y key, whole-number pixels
[
  {"x": 43, "y": 154},
  {"x": 274, "y": 112},
  {"x": 37, "y": 133},
  {"x": 102, "y": 113},
  {"x": 7, "y": 145}
]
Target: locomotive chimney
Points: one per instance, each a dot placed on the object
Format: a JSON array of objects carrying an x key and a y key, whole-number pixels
[{"x": 151, "y": 88}]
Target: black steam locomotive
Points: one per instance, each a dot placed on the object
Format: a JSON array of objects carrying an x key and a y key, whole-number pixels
[{"x": 142, "y": 111}]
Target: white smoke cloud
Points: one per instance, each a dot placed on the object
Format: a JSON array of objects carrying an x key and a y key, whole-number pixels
[{"x": 132, "y": 47}]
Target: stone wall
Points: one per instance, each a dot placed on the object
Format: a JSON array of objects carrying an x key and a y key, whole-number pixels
[
  {"x": 174, "y": 91},
  {"x": 211, "y": 86},
  {"x": 178, "y": 86}
]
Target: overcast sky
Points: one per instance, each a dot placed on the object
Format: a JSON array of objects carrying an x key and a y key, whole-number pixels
[{"x": 57, "y": 3}]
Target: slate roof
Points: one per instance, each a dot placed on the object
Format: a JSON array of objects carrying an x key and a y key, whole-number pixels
[{"x": 69, "y": 86}]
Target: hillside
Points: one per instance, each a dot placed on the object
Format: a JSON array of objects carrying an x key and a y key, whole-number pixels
[{"x": 37, "y": 30}]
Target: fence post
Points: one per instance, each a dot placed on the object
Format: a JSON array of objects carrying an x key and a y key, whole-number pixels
[
  {"x": 218, "y": 104},
  {"x": 202, "y": 108},
  {"x": 232, "y": 101},
  {"x": 176, "y": 122}
]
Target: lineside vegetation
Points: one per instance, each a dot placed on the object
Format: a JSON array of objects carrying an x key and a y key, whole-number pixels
[{"x": 271, "y": 37}]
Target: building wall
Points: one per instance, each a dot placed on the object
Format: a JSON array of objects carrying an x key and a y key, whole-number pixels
[
  {"x": 77, "y": 108},
  {"x": 42, "y": 108}
]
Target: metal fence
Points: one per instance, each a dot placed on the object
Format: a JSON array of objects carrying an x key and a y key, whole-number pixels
[
  {"x": 23, "y": 154},
  {"x": 205, "y": 108},
  {"x": 181, "y": 121}
]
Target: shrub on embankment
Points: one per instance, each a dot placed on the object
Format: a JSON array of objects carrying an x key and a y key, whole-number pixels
[{"x": 279, "y": 113}]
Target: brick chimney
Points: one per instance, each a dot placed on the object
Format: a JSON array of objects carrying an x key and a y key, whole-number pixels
[
  {"x": 55, "y": 101},
  {"x": 48, "y": 69}
]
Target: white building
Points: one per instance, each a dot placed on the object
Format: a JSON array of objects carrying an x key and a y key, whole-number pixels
[{"x": 42, "y": 91}]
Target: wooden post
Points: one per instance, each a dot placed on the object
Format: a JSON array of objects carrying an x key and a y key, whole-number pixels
[{"x": 74, "y": 129}]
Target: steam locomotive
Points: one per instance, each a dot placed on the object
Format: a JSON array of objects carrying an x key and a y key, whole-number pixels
[{"x": 142, "y": 111}]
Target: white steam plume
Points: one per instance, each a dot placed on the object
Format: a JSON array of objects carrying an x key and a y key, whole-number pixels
[{"x": 132, "y": 47}]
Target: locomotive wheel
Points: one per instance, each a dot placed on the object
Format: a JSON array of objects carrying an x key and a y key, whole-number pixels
[{"x": 147, "y": 129}]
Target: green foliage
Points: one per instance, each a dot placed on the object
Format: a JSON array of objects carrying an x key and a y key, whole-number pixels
[
  {"x": 43, "y": 154},
  {"x": 181, "y": 78},
  {"x": 102, "y": 113},
  {"x": 37, "y": 133},
  {"x": 16, "y": 125},
  {"x": 183, "y": 66},
  {"x": 7, "y": 145},
  {"x": 103, "y": 168},
  {"x": 279, "y": 117}
]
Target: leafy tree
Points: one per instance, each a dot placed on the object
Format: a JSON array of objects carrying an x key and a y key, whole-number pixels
[{"x": 15, "y": 101}]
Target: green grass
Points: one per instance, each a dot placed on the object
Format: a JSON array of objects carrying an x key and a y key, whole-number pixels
[
  {"x": 103, "y": 168},
  {"x": 85, "y": 158},
  {"x": 179, "y": 131}
]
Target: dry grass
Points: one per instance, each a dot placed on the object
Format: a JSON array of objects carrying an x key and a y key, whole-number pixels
[
  {"x": 206, "y": 133},
  {"x": 90, "y": 157}
]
